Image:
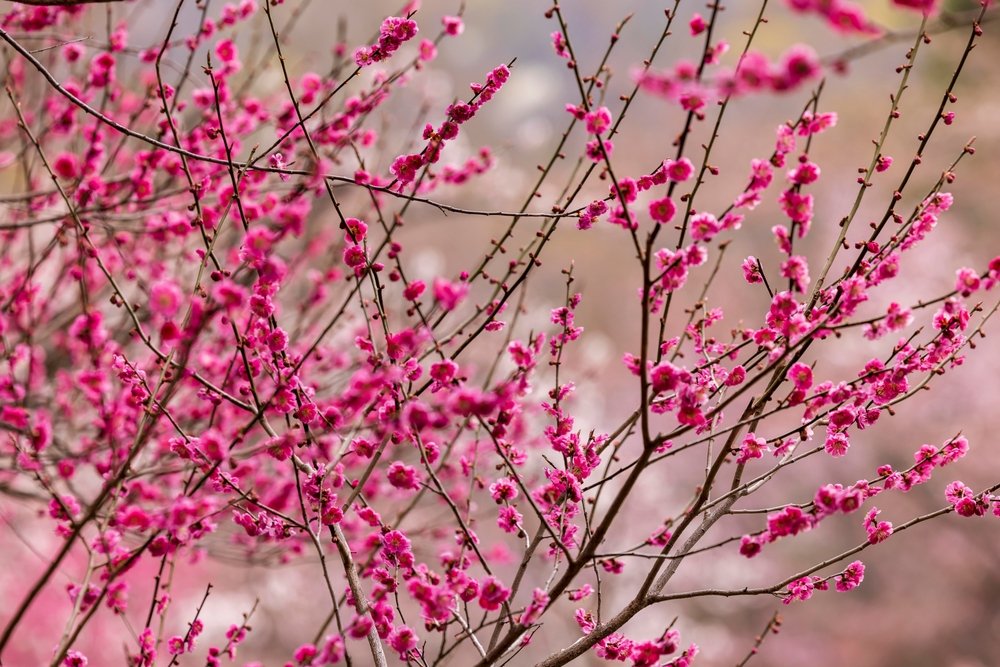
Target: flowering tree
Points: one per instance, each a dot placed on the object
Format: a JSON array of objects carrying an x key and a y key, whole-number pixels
[{"x": 218, "y": 349}]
